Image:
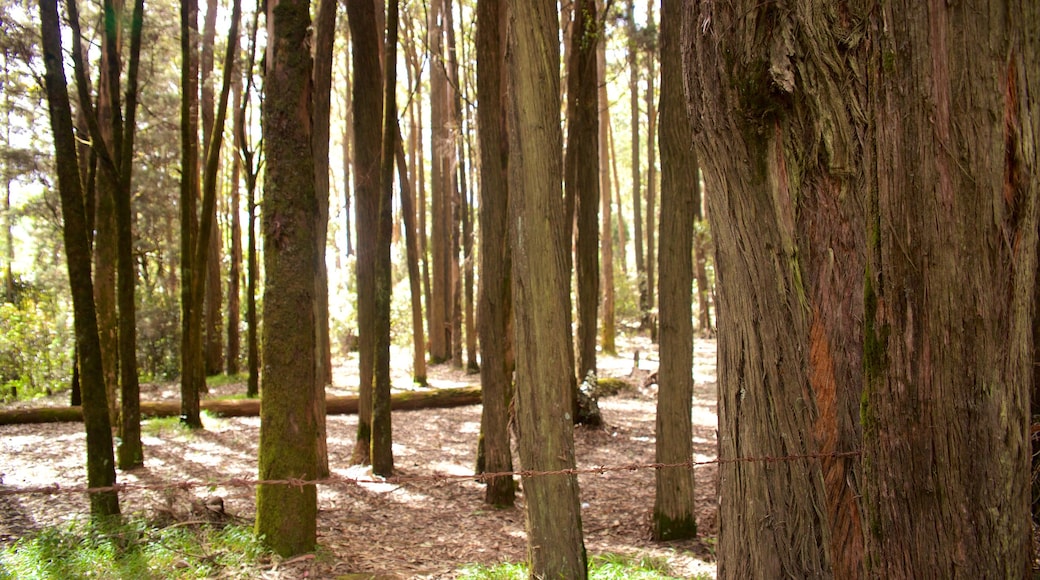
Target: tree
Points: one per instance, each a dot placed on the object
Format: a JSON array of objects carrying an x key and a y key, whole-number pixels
[
  {"x": 494, "y": 319},
  {"x": 235, "y": 197},
  {"x": 440, "y": 307},
  {"x": 673, "y": 514},
  {"x": 100, "y": 459},
  {"x": 540, "y": 286},
  {"x": 286, "y": 515},
  {"x": 212, "y": 347},
  {"x": 863, "y": 298},
  {"x": 649, "y": 40},
  {"x": 609, "y": 325},
  {"x": 637, "y": 186},
  {"x": 247, "y": 153},
  {"x": 192, "y": 376},
  {"x": 368, "y": 116},
  {"x": 382, "y": 433},
  {"x": 582, "y": 175}
]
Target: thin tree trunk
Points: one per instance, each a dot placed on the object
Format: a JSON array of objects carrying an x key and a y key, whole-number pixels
[
  {"x": 382, "y": 432},
  {"x": 608, "y": 334},
  {"x": 324, "y": 39},
  {"x": 191, "y": 385},
  {"x": 494, "y": 320},
  {"x": 100, "y": 459},
  {"x": 348, "y": 139},
  {"x": 637, "y": 185},
  {"x": 412, "y": 250},
  {"x": 440, "y": 192},
  {"x": 544, "y": 355},
  {"x": 582, "y": 177},
  {"x": 234, "y": 336},
  {"x": 673, "y": 515},
  {"x": 213, "y": 349},
  {"x": 455, "y": 175},
  {"x": 651, "y": 183},
  {"x": 368, "y": 115},
  {"x": 252, "y": 169},
  {"x": 622, "y": 227}
]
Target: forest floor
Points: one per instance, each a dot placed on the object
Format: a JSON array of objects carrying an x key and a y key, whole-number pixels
[{"x": 424, "y": 529}]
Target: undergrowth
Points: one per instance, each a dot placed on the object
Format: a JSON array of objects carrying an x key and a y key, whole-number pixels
[
  {"x": 602, "y": 567},
  {"x": 134, "y": 550}
]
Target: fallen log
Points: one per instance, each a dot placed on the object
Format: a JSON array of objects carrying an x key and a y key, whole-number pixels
[{"x": 409, "y": 400}]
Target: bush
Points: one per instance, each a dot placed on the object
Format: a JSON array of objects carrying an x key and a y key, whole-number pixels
[{"x": 36, "y": 344}]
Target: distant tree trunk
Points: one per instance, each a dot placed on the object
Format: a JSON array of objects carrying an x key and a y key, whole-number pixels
[
  {"x": 440, "y": 305},
  {"x": 382, "y": 432},
  {"x": 213, "y": 349},
  {"x": 8, "y": 177},
  {"x": 637, "y": 186},
  {"x": 651, "y": 183},
  {"x": 622, "y": 227},
  {"x": 192, "y": 377},
  {"x": 286, "y": 515},
  {"x": 347, "y": 140},
  {"x": 234, "y": 336},
  {"x": 324, "y": 39},
  {"x": 247, "y": 154},
  {"x": 609, "y": 325},
  {"x": 494, "y": 319},
  {"x": 106, "y": 238},
  {"x": 412, "y": 251},
  {"x": 368, "y": 115},
  {"x": 100, "y": 459},
  {"x": 951, "y": 265},
  {"x": 702, "y": 250},
  {"x": 457, "y": 188},
  {"x": 544, "y": 355},
  {"x": 673, "y": 515},
  {"x": 581, "y": 177},
  {"x": 130, "y": 450}
]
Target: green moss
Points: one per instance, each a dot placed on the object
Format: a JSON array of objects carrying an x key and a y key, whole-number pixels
[
  {"x": 888, "y": 61},
  {"x": 666, "y": 528},
  {"x": 609, "y": 386},
  {"x": 875, "y": 358}
]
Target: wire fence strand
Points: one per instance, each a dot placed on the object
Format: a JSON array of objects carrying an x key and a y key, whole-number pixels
[{"x": 342, "y": 481}]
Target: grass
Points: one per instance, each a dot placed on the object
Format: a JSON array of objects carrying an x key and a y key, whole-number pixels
[
  {"x": 602, "y": 567},
  {"x": 133, "y": 550},
  {"x": 221, "y": 380}
]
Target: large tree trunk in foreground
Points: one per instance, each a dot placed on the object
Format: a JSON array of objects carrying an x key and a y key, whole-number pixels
[
  {"x": 495, "y": 309},
  {"x": 673, "y": 515},
  {"x": 540, "y": 281},
  {"x": 952, "y": 225},
  {"x": 289, "y": 430},
  {"x": 346, "y": 405},
  {"x": 891, "y": 188},
  {"x": 368, "y": 115},
  {"x": 100, "y": 459}
]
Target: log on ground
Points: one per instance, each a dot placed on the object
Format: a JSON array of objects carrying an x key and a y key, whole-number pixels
[{"x": 346, "y": 405}]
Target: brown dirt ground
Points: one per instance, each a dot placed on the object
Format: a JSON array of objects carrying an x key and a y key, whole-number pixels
[{"x": 406, "y": 530}]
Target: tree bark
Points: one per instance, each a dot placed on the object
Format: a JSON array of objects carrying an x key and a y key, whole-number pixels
[
  {"x": 191, "y": 377},
  {"x": 412, "y": 255},
  {"x": 440, "y": 191},
  {"x": 494, "y": 317},
  {"x": 608, "y": 328},
  {"x": 951, "y": 262},
  {"x": 651, "y": 183},
  {"x": 100, "y": 458},
  {"x": 637, "y": 185},
  {"x": 368, "y": 115},
  {"x": 582, "y": 176},
  {"x": 213, "y": 354},
  {"x": 540, "y": 286},
  {"x": 673, "y": 514},
  {"x": 289, "y": 430},
  {"x": 234, "y": 335},
  {"x": 252, "y": 170}
]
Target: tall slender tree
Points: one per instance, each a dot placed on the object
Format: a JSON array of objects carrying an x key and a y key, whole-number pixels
[
  {"x": 540, "y": 283},
  {"x": 100, "y": 458},
  {"x": 637, "y": 183},
  {"x": 286, "y": 515},
  {"x": 192, "y": 376},
  {"x": 368, "y": 116},
  {"x": 673, "y": 513},
  {"x": 494, "y": 318},
  {"x": 608, "y": 342},
  {"x": 650, "y": 51}
]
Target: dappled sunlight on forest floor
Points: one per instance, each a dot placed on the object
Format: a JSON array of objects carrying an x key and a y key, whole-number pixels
[{"x": 407, "y": 529}]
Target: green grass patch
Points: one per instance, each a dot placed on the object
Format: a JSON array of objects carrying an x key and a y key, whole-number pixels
[
  {"x": 133, "y": 550},
  {"x": 164, "y": 426},
  {"x": 602, "y": 567},
  {"x": 221, "y": 380}
]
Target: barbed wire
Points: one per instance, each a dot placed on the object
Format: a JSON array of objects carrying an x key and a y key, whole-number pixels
[{"x": 341, "y": 481}]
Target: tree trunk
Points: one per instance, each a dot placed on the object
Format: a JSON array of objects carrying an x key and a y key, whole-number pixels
[
  {"x": 622, "y": 227},
  {"x": 951, "y": 262},
  {"x": 441, "y": 191},
  {"x": 637, "y": 185},
  {"x": 213, "y": 349},
  {"x": 455, "y": 185},
  {"x": 609, "y": 326},
  {"x": 789, "y": 264},
  {"x": 382, "y": 432},
  {"x": 673, "y": 515},
  {"x": 347, "y": 141},
  {"x": 368, "y": 115},
  {"x": 494, "y": 318},
  {"x": 324, "y": 39},
  {"x": 705, "y": 289},
  {"x": 234, "y": 335},
  {"x": 582, "y": 176},
  {"x": 289, "y": 431},
  {"x": 540, "y": 285},
  {"x": 412, "y": 251},
  {"x": 100, "y": 459},
  {"x": 246, "y": 154},
  {"x": 651, "y": 183},
  {"x": 191, "y": 379}
]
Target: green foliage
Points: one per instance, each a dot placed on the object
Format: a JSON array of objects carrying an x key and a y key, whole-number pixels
[
  {"x": 222, "y": 380},
  {"x": 603, "y": 567},
  {"x": 36, "y": 344},
  {"x": 164, "y": 427},
  {"x": 158, "y": 336},
  {"x": 133, "y": 550}
]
